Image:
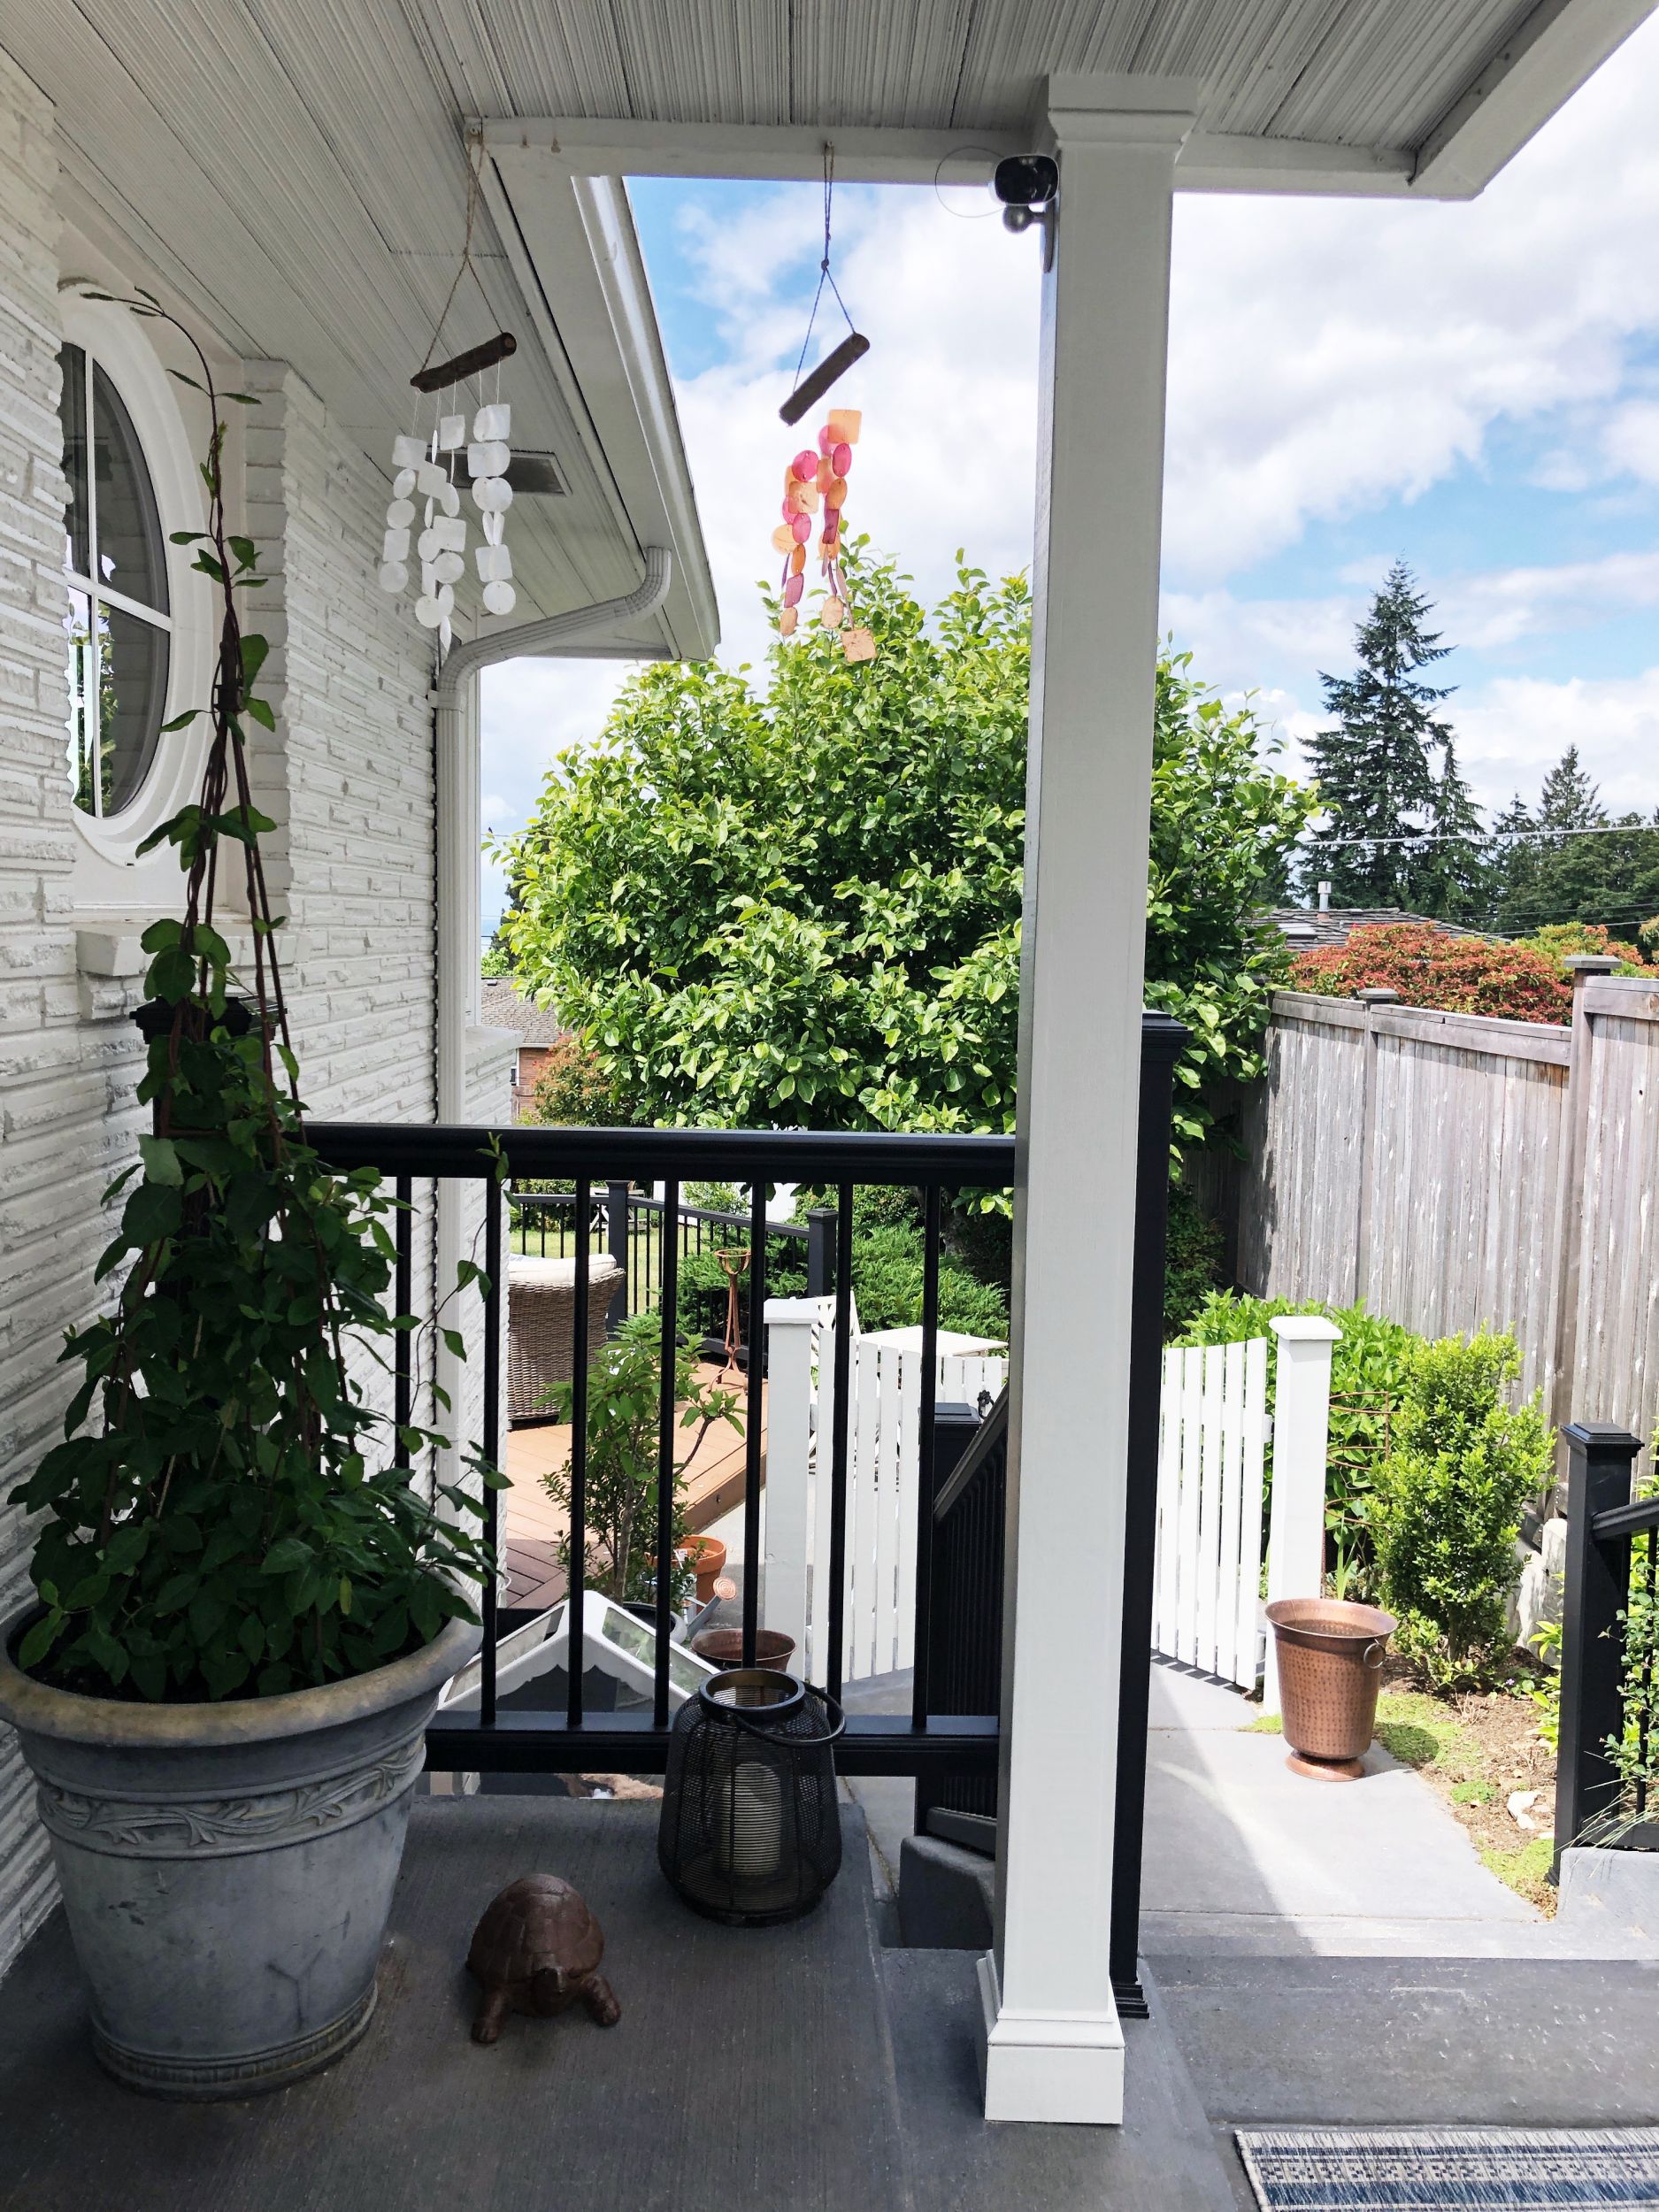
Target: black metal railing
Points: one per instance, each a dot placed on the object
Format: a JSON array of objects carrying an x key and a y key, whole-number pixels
[
  {"x": 634, "y": 1228},
  {"x": 970, "y": 1540},
  {"x": 1607, "y": 1672},
  {"x": 502, "y": 1740}
]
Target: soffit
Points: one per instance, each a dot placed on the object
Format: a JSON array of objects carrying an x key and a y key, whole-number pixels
[{"x": 295, "y": 171}]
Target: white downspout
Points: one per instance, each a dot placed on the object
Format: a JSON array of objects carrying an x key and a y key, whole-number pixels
[{"x": 458, "y": 832}]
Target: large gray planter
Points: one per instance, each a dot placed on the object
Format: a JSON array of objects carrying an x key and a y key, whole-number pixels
[{"x": 228, "y": 1870}]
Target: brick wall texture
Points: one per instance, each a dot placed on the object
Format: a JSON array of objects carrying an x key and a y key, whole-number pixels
[{"x": 347, "y": 778}]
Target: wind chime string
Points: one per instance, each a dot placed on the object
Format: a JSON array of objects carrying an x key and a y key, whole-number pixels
[
  {"x": 425, "y": 463},
  {"x": 812, "y": 477}
]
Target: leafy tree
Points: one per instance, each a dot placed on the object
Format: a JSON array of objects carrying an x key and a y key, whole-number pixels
[
  {"x": 803, "y": 906},
  {"x": 1375, "y": 767},
  {"x": 1459, "y": 975},
  {"x": 1576, "y": 866}
]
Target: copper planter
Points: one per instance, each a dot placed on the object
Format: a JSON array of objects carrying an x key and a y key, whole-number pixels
[{"x": 1330, "y": 1654}]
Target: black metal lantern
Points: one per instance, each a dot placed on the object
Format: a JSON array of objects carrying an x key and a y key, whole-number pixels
[{"x": 751, "y": 1830}]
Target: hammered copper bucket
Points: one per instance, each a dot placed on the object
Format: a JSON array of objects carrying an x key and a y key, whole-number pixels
[{"x": 1330, "y": 1653}]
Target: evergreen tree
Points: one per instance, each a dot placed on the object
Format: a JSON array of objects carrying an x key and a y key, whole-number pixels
[
  {"x": 1450, "y": 875},
  {"x": 1562, "y": 875},
  {"x": 1376, "y": 768}
]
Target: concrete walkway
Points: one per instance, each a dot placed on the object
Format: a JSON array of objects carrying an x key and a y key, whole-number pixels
[{"x": 1244, "y": 1858}]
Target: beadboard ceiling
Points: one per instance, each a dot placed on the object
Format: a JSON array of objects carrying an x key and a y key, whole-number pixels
[{"x": 295, "y": 169}]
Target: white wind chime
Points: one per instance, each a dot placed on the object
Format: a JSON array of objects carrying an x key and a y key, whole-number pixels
[{"x": 425, "y": 484}]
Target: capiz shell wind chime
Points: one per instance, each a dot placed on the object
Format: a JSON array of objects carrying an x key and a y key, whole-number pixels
[
  {"x": 425, "y": 464},
  {"x": 812, "y": 477}
]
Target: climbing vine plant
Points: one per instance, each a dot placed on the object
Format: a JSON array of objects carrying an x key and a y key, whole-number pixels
[{"x": 228, "y": 1511}]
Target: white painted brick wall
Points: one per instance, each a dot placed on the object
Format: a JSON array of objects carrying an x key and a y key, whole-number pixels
[{"x": 348, "y": 778}]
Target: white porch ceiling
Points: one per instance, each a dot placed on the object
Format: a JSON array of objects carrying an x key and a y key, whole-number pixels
[
  {"x": 1387, "y": 83},
  {"x": 295, "y": 171}
]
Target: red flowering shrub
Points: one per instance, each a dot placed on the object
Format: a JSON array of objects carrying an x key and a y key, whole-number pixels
[
  {"x": 1559, "y": 938},
  {"x": 1459, "y": 975}
]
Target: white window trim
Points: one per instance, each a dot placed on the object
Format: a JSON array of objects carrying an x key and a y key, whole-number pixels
[{"x": 115, "y": 338}]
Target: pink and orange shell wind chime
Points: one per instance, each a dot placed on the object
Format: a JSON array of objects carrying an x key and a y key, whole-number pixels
[
  {"x": 815, "y": 480},
  {"x": 425, "y": 464}
]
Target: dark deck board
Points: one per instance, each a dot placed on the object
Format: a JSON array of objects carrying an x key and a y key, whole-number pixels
[{"x": 750, "y": 2068}]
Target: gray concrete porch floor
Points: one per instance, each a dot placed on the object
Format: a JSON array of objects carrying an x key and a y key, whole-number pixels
[{"x": 797, "y": 2067}]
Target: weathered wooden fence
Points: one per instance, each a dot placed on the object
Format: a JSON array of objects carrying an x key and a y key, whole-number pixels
[{"x": 1451, "y": 1169}]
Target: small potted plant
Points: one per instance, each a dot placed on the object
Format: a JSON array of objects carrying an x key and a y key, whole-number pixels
[
  {"x": 620, "y": 1496},
  {"x": 245, "y": 1607}
]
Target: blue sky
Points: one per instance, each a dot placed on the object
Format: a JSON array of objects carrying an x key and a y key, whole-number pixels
[{"x": 1472, "y": 388}]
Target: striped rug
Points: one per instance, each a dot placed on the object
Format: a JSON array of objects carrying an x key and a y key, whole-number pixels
[{"x": 1465, "y": 2169}]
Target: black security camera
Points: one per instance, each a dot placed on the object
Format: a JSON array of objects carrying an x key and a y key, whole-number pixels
[{"x": 1026, "y": 180}]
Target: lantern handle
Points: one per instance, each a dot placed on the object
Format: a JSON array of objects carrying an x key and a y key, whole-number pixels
[{"x": 739, "y": 1714}]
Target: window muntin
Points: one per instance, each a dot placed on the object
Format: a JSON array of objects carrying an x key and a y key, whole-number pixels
[{"x": 119, "y": 623}]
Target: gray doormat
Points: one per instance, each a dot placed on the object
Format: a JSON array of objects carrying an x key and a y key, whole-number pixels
[{"x": 1468, "y": 2170}]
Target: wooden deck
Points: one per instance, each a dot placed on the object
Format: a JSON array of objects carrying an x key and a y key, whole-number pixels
[{"x": 533, "y": 1525}]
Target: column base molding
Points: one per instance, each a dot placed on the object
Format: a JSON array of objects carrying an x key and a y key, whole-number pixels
[{"x": 1066, "y": 2067}]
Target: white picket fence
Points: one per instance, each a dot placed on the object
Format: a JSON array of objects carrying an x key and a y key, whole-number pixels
[
  {"x": 883, "y": 1437},
  {"x": 1212, "y": 1445},
  {"x": 1213, "y": 1537}
]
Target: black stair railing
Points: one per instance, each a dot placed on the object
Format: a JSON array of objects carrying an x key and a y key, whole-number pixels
[{"x": 1603, "y": 1521}]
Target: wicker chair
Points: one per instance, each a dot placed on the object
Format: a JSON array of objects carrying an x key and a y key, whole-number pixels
[{"x": 541, "y": 1335}]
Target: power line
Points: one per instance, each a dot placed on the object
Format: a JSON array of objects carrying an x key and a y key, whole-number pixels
[{"x": 1491, "y": 837}]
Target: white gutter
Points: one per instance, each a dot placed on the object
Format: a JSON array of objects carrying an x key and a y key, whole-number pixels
[{"x": 585, "y": 631}]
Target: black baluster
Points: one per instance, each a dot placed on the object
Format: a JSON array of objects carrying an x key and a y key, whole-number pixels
[{"x": 575, "y": 1598}]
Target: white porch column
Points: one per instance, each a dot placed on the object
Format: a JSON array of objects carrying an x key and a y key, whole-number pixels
[{"x": 1054, "y": 2049}]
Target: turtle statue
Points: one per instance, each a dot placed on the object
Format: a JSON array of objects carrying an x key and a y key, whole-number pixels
[{"x": 537, "y": 1950}]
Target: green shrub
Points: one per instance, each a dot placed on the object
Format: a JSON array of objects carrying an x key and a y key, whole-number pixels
[
  {"x": 888, "y": 1264},
  {"x": 1369, "y": 1366},
  {"x": 1191, "y": 1261},
  {"x": 1448, "y": 1508}
]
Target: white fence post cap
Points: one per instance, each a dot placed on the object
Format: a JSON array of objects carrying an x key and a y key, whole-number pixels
[
  {"x": 1305, "y": 1328},
  {"x": 793, "y": 1312}
]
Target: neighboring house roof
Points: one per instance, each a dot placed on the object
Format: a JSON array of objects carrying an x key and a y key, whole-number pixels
[
  {"x": 1331, "y": 924},
  {"x": 503, "y": 1007}
]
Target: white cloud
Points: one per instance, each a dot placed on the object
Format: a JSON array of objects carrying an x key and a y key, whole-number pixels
[
  {"x": 1514, "y": 729},
  {"x": 530, "y": 711},
  {"x": 1631, "y": 440},
  {"x": 1329, "y": 354}
]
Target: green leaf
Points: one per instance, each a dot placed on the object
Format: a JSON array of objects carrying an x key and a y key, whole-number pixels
[
  {"x": 262, "y": 713},
  {"x": 161, "y": 1160},
  {"x": 182, "y": 721},
  {"x": 40, "y": 1640},
  {"x": 287, "y": 1555}
]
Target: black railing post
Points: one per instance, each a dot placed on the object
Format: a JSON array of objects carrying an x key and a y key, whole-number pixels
[
  {"x": 1596, "y": 1591},
  {"x": 820, "y": 1252},
  {"x": 1162, "y": 1038},
  {"x": 954, "y": 1427},
  {"x": 617, "y": 1218}
]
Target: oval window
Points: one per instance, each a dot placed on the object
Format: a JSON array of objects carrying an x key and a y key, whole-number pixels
[{"x": 119, "y": 623}]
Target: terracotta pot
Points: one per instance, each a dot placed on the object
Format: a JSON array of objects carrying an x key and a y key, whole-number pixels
[
  {"x": 706, "y": 1557},
  {"x": 724, "y": 1647},
  {"x": 1330, "y": 1653}
]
